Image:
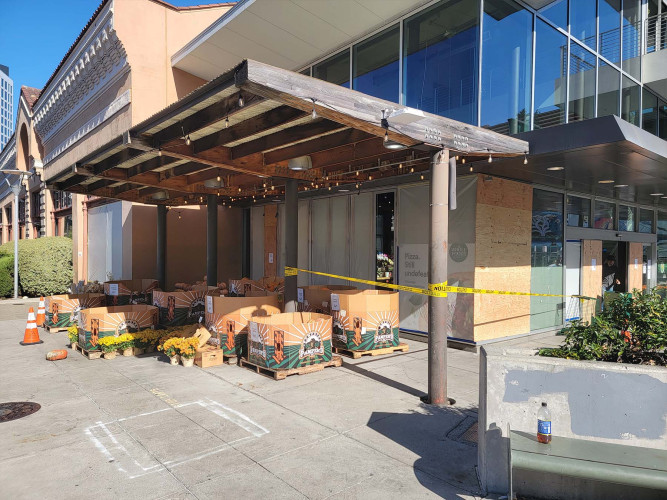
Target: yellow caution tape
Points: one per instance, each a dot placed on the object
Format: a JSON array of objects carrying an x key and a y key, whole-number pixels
[{"x": 434, "y": 289}]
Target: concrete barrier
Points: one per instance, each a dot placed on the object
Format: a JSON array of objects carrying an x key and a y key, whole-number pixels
[{"x": 616, "y": 403}]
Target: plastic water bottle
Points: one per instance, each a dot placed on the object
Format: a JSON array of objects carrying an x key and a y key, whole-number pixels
[{"x": 544, "y": 424}]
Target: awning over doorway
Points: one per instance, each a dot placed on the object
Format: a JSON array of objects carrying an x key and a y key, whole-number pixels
[
  {"x": 235, "y": 134},
  {"x": 593, "y": 156}
]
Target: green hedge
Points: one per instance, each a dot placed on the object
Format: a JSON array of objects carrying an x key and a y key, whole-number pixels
[
  {"x": 6, "y": 275},
  {"x": 45, "y": 265}
]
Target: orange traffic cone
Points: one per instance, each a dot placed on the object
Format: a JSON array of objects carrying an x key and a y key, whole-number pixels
[
  {"x": 31, "y": 334},
  {"x": 41, "y": 312}
]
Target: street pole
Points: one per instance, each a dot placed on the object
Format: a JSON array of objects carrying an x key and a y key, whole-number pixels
[
  {"x": 16, "y": 189},
  {"x": 438, "y": 310}
]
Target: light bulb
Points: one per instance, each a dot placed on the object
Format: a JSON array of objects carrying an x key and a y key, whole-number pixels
[
  {"x": 218, "y": 178},
  {"x": 241, "y": 102},
  {"x": 187, "y": 140},
  {"x": 239, "y": 190},
  {"x": 463, "y": 160},
  {"x": 471, "y": 169},
  {"x": 525, "y": 160},
  {"x": 490, "y": 159},
  {"x": 159, "y": 152},
  {"x": 357, "y": 173},
  {"x": 421, "y": 177},
  {"x": 457, "y": 157},
  {"x": 412, "y": 169},
  {"x": 314, "y": 114},
  {"x": 400, "y": 166},
  {"x": 370, "y": 177},
  {"x": 179, "y": 215},
  {"x": 386, "y": 137},
  {"x": 227, "y": 122}
]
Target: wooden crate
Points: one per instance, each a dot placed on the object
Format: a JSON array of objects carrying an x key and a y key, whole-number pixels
[
  {"x": 280, "y": 374},
  {"x": 373, "y": 352}
]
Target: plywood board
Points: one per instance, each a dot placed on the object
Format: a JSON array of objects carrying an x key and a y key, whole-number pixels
[
  {"x": 635, "y": 264},
  {"x": 591, "y": 271},
  {"x": 270, "y": 240},
  {"x": 502, "y": 257}
]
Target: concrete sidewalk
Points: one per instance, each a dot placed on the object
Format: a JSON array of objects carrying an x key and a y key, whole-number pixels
[{"x": 140, "y": 428}]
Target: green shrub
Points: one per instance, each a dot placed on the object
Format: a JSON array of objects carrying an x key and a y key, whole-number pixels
[
  {"x": 6, "y": 275},
  {"x": 631, "y": 329},
  {"x": 45, "y": 265}
]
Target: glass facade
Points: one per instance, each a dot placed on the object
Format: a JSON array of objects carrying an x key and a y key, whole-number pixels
[
  {"x": 376, "y": 64},
  {"x": 506, "y": 67},
  {"x": 626, "y": 218},
  {"x": 546, "y": 260},
  {"x": 662, "y": 248},
  {"x": 446, "y": 60},
  {"x": 578, "y": 211},
  {"x": 645, "y": 220},
  {"x": 605, "y": 213},
  {"x": 440, "y": 64}
]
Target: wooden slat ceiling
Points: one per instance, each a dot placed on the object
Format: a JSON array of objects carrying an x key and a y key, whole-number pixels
[{"x": 244, "y": 126}]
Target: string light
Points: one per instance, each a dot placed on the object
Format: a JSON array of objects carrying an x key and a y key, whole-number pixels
[
  {"x": 386, "y": 136},
  {"x": 490, "y": 159},
  {"x": 457, "y": 157},
  {"x": 370, "y": 177},
  {"x": 218, "y": 178},
  {"x": 471, "y": 169},
  {"x": 241, "y": 101},
  {"x": 187, "y": 140},
  {"x": 239, "y": 190},
  {"x": 227, "y": 122},
  {"x": 525, "y": 159},
  {"x": 463, "y": 160},
  {"x": 412, "y": 169},
  {"x": 159, "y": 151},
  {"x": 356, "y": 173},
  {"x": 400, "y": 166}
]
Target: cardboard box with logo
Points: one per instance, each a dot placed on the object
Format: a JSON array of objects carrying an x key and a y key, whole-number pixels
[
  {"x": 63, "y": 310},
  {"x": 317, "y": 298},
  {"x": 128, "y": 292},
  {"x": 245, "y": 287},
  {"x": 182, "y": 307},
  {"x": 365, "y": 320},
  {"x": 227, "y": 318},
  {"x": 289, "y": 340},
  {"x": 99, "y": 322}
]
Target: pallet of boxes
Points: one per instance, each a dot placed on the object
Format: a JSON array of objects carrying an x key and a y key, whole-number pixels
[
  {"x": 365, "y": 322},
  {"x": 62, "y": 311},
  {"x": 182, "y": 307},
  {"x": 130, "y": 292}
]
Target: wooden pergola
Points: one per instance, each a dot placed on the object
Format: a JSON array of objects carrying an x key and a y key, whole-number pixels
[
  {"x": 231, "y": 142},
  {"x": 245, "y": 125}
]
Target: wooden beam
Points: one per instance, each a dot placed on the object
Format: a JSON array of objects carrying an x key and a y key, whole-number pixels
[
  {"x": 361, "y": 111},
  {"x": 117, "y": 159},
  {"x": 324, "y": 143},
  {"x": 203, "y": 118},
  {"x": 261, "y": 123},
  {"x": 286, "y": 137}
]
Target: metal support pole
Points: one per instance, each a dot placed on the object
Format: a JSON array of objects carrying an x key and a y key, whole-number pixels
[
  {"x": 161, "y": 258},
  {"x": 16, "y": 189},
  {"x": 245, "y": 243},
  {"x": 291, "y": 241},
  {"x": 212, "y": 240},
  {"x": 437, "y": 306}
]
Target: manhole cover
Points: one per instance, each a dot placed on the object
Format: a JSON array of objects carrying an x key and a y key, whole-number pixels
[
  {"x": 465, "y": 431},
  {"x": 471, "y": 434},
  {"x": 12, "y": 411}
]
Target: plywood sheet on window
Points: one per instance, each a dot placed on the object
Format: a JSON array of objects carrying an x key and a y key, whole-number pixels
[
  {"x": 635, "y": 263},
  {"x": 270, "y": 240},
  {"x": 591, "y": 272},
  {"x": 502, "y": 257}
]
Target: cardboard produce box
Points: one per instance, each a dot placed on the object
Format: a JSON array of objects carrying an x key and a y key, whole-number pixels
[
  {"x": 209, "y": 356},
  {"x": 289, "y": 340},
  {"x": 365, "y": 320},
  {"x": 317, "y": 298},
  {"x": 227, "y": 318},
  {"x": 128, "y": 292},
  {"x": 182, "y": 307},
  {"x": 244, "y": 287},
  {"x": 63, "y": 310},
  {"x": 99, "y": 322}
]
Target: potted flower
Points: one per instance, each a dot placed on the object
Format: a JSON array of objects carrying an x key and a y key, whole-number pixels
[
  {"x": 125, "y": 343},
  {"x": 141, "y": 342},
  {"x": 109, "y": 346},
  {"x": 187, "y": 349},
  {"x": 170, "y": 348},
  {"x": 73, "y": 334}
]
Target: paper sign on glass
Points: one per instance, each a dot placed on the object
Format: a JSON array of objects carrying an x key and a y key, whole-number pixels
[
  {"x": 113, "y": 289},
  {"x": 209, "y": 304},
  {"x": 270, "y": 258},
  {"x": 335, "y": 302},
  {"x": 636, "y": 263},
  {"x": 299, "y": 295},
  {"x": 593, "y": 264}
]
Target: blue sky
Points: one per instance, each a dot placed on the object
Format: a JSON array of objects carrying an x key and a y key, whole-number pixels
[{"x": 36, "y": 34}]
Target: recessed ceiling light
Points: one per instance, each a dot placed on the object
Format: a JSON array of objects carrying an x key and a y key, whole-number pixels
[
  {"x": 343, "y": 190},
  {"x": 620, "y": 185},
  {"x": 606, "y": 181},
  {"x": 556, "y": 168},
  {"x": 657, "y": 194}
]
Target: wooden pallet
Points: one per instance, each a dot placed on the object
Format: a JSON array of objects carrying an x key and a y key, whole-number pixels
[
  {"x": 55, "y": 329},
  {"x": 88, "y": 354},
  {"x": 373, "y": 352},
  {"x": 280, "y": 374}
]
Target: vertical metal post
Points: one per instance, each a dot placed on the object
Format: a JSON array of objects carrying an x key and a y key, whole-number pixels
[
  {"x": 16, "y": 189},
  {"x": 212, "y": 240},
  {"x": 161, "y": 258},
  {"x": 291, "y": 241},
  {"x": 437, "y": 306},
  {"x": 245, "y": 243}
]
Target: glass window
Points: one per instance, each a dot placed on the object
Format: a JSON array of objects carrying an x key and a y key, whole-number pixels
[
  {"x": 632, "y": 37},
  {"x": 609, "y": 87},
  {"x": 556, "y": 12},
  {"x": 662, "y": 248},
  {"x": 582, "y": 84},
  {"x": 550, "y": 84},
  {"x": 305, "y": 71},
  {"x": 578, "y": 211},
  {"x": 649, "y": 112},
  {"x": 662, "y": 120},
  {"x": 604, "y": 215},
  {"x": 609, "y": 43},
  {"x": 645, "y": 220},
  {"x": 546, "y": 274},
  {"x": 336, "y": 69},
  {"x": 626, "y": 218},
  {"x": 583, "y": 20},
  {"x": 506, "y": 66},
  {"x": 375, "y": 70},
  {"x": 630, "y": 101},
  {"x": 440, "y": 60},
  {"x": 384, "y": 237}
]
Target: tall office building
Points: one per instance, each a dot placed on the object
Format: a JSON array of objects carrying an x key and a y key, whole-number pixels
[{"x": 6, "y": 106}]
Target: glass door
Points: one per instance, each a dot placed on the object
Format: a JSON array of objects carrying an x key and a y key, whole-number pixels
[{"x": 384, "y": 237}]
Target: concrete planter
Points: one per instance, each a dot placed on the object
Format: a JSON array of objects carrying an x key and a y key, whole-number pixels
[{"x": 599, "y": 401}]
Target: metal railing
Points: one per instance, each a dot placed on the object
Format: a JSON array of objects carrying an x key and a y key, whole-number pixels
[{"x": 656, "y": 33}]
